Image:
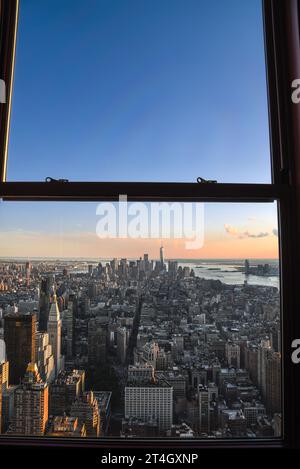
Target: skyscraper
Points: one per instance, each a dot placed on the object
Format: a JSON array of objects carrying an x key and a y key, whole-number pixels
[
  {"x": 68, "y": 330},
  {"x": 273, "y": 383},
  {"x": 44, "y": 357},
  {"x": 122, "y": 343},
  {"x": 264, "y": 351},
  {"x": 31, "y": 404},
  {"x": 161, "y": 255},
  {"x": 204, "y": 413},
  {"x": 233, "y": 354},
  {"x": 27, "y": 272},
  {"x": 54, "y": 331},
  {"x": 97, "y": 341},
  {"x": 150, "y": 400},
  {"x": 19, "y": 337},
  {"x": 47, "y": 286}
]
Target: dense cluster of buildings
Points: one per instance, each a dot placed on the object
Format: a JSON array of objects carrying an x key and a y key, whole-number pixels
[
  {"x": 263, "y": 270},
  {"x": 136, "y": 349}
]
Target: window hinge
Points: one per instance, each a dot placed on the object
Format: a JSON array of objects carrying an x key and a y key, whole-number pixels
[
  {"x": 205, "y": 181},
  {"x": 49, "y": 179}
]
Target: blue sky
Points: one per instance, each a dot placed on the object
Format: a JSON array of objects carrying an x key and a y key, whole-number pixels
[{"x": 138, "y": 90}]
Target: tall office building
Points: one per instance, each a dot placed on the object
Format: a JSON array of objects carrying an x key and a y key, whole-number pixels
[
  {"x": 44, "y": 357},
  {"x": 206, "y": 395},
  {"x": 123, "y": 267},
  {"x": 161, "y": 256},
  {"x": 27, "y": 273},
  {"x": 114, "y": 265},
  {"x": 68, "y": 330},
  {"x": 122, "y": 343},
  {"x": 47, "y": 287},
  {"x": 19, "y": 337},
  {"x": 68, "y": 386},
  {"x": 273, "y": 383},
  {"x": 263, "y": 352},
  {"x": 150, "y": 401},
  {"x": 251, "y": 362},
  {"x": 97, "y": 341},
  {"x": 31, "y": 405},
  {"x": 172, "y": 268},
  {"x": 233, "y": 354},
  {"x": 54, "y": 331},
  {"x": 146, "y": 262},
  {"x": 204, "y": 409}
]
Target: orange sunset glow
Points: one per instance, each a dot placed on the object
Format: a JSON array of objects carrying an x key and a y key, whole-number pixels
[{"x": 88, "y": 245}]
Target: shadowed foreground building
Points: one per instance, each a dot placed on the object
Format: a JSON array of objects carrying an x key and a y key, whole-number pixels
[
  {"x": 87, "y": 411},
  {"x": 66, "y": 427},
  {"x": 19, "y": 337},
  {"x": 104, "y": 406},
  {"x": 4, "y": 367},
  {"x": 97, "y": 341},
  {"x": 67, "y": 388},
  {"x": 3, "y": 387}
]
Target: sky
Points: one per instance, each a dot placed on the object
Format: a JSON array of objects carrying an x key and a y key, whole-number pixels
[
  {"x": 68, "y": 230},
  {"x": 139, "y": 90}
]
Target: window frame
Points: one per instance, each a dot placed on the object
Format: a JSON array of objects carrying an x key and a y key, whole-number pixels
[{"x": 282, "y": 31}]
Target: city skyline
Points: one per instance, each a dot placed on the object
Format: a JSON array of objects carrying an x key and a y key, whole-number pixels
[{"x": 139, "y": 349}]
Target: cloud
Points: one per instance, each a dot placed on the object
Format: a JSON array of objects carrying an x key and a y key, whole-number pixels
[
  {"x": 262, "y": 234},
  {"x": 235, "y": 232},
  {"x": 231, "y": 230},
  {"x": 275, "y": 232}
]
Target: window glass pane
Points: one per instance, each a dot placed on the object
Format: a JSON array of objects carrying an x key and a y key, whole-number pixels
[
  {"x": 140, "y": 90},
  {"x": 176, "y": 335}
]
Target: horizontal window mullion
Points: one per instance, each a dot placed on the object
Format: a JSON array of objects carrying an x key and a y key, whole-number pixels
[{"x": 143, "y": 191}]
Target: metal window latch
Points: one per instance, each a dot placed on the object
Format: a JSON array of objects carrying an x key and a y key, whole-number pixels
[
  {"x": 49, "y": 179},
  {"x": 206, "y": 181}
]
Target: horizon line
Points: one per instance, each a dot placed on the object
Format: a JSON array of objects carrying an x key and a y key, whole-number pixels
[{"x": 140, "y": 257}]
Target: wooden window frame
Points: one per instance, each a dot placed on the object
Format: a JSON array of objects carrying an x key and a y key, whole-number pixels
[{"x": 282, "y": 33}]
